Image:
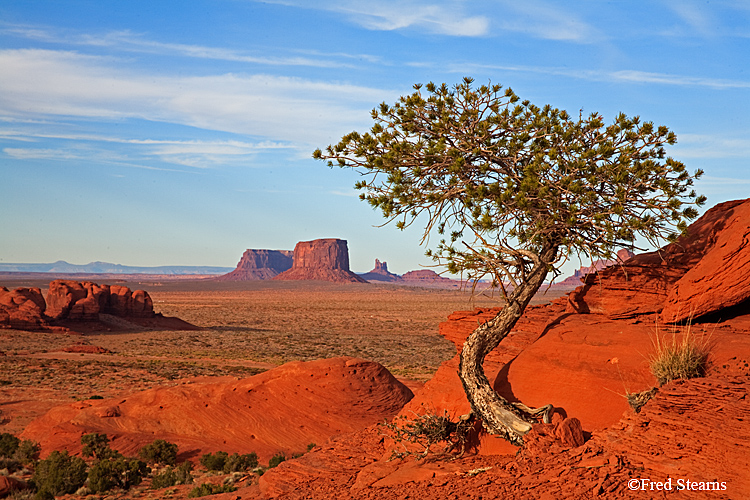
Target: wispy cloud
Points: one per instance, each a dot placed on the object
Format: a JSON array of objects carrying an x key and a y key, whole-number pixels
[
  {"x": 127, "y": 41},
  {"x": 39, "y": 84},
  {"x": 696, "y": 17},
  {"x": 443, "y": 18},
  {"x": 712, "y": 146},
  {"x": 621, "y": 76},
  {"x": 542, "y": 20}
]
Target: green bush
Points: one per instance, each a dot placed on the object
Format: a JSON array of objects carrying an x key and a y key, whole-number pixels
[
  {"x": 276, "y": 460},
  {"x": 159, "y": 452},
  {"x": 58, "y": 474},
  {"x": 97, "y": 445},
  {"x": 171, "y": 477},
  {"x": 8, "y": 445},
  {"x": 214, "y": 461},
  {"x": 240, "y": 463},
  {"x": 28, "y": 451},
  {"x": 210, "y": 489},
  {"x": 118, "y": 472}
]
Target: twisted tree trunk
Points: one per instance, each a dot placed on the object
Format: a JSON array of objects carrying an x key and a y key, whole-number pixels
[{"x": 510, "y": 420}]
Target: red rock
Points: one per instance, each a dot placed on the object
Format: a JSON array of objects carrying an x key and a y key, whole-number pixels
[
  {"x": 380, "y": 273},
  {"x": 283, "y": 409},
  {"x": 22, "y": 309},
  {"x": 120, "y": 302},
  {"x": 426, "y": 276},
  {"x": 85, "y": 349},
  {"x": 9, "y": 484},
  {"x": 89, "y": 307},
  {"x": 260, "y": 265},
  {"x": 61, "y": 297},
  {"x": 721, "y": 278},
  {"x": 325, "y": 260},
  {"x": 642, "y": 284}
]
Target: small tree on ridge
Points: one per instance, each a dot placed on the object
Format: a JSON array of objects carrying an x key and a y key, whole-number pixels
[{"x": 515, "y": 190}]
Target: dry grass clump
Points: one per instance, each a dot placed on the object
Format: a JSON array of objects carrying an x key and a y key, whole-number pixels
[{"x": 681, "y": 358}]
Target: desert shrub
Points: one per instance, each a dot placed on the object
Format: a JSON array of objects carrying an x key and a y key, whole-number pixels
[
  {"x": 679, "y": 359},
  {"x": 171, "y": 477},
  {"x": 214, "y": 461},
  {"x": 276, "y": 460},
  {"x": 96, "y": 396},
  {"x": 210, "y": 489},
  {"x": 117, "y": 472},
  {"x": 28, "y": 451},
  {"x": 58, "y": 474},
  {"x": 8, "y": 445},
  {"x": 240, "y": 463},
  {"x": 10, "y": 463},
  {"x": 311, "y": 446},
  {"x": 159, "y": 452},
  {"x": 97, "y": 445},
  {"x": 426, "y": 430}
]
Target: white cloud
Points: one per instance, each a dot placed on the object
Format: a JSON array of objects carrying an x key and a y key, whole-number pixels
[
  {"x": 711, "y": 146},
  {"x": 42, "y": 83},
  {"x": 542, "y": 20},
  {"x": 443, "y": 18}
]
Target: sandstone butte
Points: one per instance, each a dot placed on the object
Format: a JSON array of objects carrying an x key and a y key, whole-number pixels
[
  {"x": 381, "y": 273},
  {"x": 583, "y": 354},
  {"x": 324, "y": 260},
  {"x": 260, "y": 264}
]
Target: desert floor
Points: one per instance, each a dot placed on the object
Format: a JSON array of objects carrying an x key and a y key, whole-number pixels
[{"x": 245, "y": 328}]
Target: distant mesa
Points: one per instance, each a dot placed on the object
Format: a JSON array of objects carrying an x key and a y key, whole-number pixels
[
  {"x": 380, "y": 273},
  {"x": 62, "y": 267},
  {"x": 324, "y": 260},
  {"x": 579, "y": 274},
  {"x": 428, "y": 277},
  {"x": 260, "y": 265}
]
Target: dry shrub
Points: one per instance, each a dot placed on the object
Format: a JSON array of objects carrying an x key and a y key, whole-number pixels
[{"x": 681, "y": 358}]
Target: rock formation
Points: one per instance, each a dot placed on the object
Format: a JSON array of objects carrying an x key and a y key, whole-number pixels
[
  {"x": 22, "y": 309},
  {"x": 67, "y": 300},
  {"x": 702, "y": 272},
  {"x": 260, "y": 265},
  {"x": 324, "y": 259},
  {"x": 85, "y": 301},
  {"x": 380, "y": 273},
  {"x": 428, "y": 277},
  {"x": 622, "y": 256},
  {"x": 281, "y": 410}
]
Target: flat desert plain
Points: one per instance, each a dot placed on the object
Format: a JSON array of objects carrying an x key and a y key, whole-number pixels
[{"x": 245, "y": 327}]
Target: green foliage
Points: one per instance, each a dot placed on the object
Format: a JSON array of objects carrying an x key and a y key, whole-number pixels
[
  {"x": 58, "y": 474},
  {"x": 240, "y": 463},
  {"x": 8, "y": 445},
  {"x": 276, "y": 460},
  {"x": 210, "y": 489},
  {"x": 214, "y": 461},
  {"x": 28, "y": 451},
  {"x": 97, "y": 445},
  {"x": 159, "y": 452},
  {"x": 503, "y": 180},
  {"x": 311, "y": 446},
  {"x": 117, "y": 472},
  {"x": 171, "y": 477}
]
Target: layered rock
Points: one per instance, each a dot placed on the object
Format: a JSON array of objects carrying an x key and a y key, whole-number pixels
[
  {"x": 579, "y": 274},
  {"x": 85, "y": 301},
  {"x": 260, "y": 265},
  {"x": 22, "y": 309},
  {"x": 713, "y": 258},
  {"x": 324, "y": 260},
  {"x": 380, "y": 273},
  {"x": 281, "y": 410},
  {"x": 428, "y": 277}
]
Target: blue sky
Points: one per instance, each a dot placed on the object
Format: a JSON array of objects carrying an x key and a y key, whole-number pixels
[{"x": 180, "y": 132}]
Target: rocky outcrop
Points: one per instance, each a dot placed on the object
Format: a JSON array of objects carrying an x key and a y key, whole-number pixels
[
  {"x": 22, "y": 309},
  {"x": 579, "y": 274},
  {"x": 428, "y": 277},
  {"x": 260, "y": 265},
  {"x": 281, "y": 410},
  {"x": 712, "y": 257},
  {"x": 72, "y": 300},
  {"x": 324, "y": 260},
  {"x": 380, "y": 273}
]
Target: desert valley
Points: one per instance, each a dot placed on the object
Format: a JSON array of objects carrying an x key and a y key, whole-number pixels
[{"x": 312, "y": 368}]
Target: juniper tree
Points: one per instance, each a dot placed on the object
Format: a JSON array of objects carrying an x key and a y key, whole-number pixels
[{"x": 512, "y": 191}]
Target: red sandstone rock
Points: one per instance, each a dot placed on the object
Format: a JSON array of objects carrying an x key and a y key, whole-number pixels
[
  {"x": 380, "y": 273},
  {"x": 71, "y": 300},
  {"x": 325, "y": 260},
  {"x": 22, "y": 309},
  {"x": 425, "y": 275},
  {"x": 642, "y": 284},
  {"x": 283, "y": 409},
  {"x": 61, "y": 297},
  {"x": 9, "y": 484},
  {"x": 721, "y": 278},
  {"x": 260, "y": 265},
  {"x": 85, "y": 349}
]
